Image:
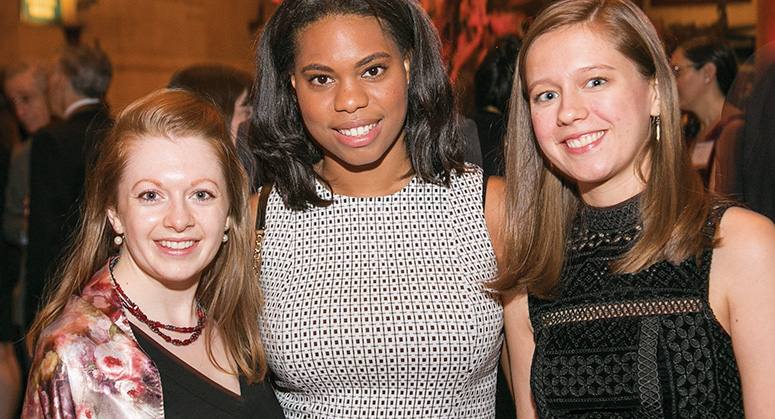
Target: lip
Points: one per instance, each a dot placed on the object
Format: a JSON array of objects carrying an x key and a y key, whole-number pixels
[
  {"x": 365, "y": 132},
  {"x": 580, "y": 143},
  {"x": 177, "y": 247}
]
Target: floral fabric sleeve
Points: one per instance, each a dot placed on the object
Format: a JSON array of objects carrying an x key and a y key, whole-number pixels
[{"x": 87, "y": 365}]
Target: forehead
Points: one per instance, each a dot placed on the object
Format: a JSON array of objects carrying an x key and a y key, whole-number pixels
[
  {"x": 340, "y": 33},
  {"x": 159, "y": 154},
  {"x": 22, "y": 81},
  {"x": 575, "y": 46}
]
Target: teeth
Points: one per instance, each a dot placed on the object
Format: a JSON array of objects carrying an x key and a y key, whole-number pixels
[
  {"x": 177, "y": 245},
  {"x": 585, "y": 139},
  {"x": 358, "y": 132}
]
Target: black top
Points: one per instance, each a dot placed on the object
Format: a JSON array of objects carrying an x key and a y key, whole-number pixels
[
  {"x": 642, "y": 345},
  {"x": 189, "y": 394}
]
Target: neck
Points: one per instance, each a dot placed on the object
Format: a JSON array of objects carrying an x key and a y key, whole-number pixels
[
  {"x": 709, "y": 113},
  {"x": 384, "y": 177},
  {"x": 159, "y": 302},
  {"x": 613, "y": 191}
]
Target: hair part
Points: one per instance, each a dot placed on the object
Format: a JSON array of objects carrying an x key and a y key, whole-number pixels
[
  {"x": 227, "y": 289},
  {"x": 541, "y": 204},
  {"x": 286, "y": 153}
]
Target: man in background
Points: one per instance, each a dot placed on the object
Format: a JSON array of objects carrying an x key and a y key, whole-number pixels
[
  {"x": 25, "y": 87},
  {"x": 59, "y": 159}
]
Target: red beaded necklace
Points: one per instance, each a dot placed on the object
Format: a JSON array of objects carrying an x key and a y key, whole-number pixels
[{"x": 158, "y": 326}]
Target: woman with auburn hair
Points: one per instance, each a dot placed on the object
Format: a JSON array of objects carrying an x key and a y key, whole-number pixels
[
  {"x": 166, "y": 229},
  {"x": 632, "y": 291},
  {"x": 376, "y": 245}
]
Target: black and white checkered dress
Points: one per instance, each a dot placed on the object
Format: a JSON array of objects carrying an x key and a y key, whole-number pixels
[{"x": 375, "y": 307}]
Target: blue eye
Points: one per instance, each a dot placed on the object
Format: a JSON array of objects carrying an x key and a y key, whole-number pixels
[
  {"x": 149, "y": 196},
  {"x": 596, "y": 82},
  {"x": 203, "y": 195},
  {"x": 546, "y": 96}
]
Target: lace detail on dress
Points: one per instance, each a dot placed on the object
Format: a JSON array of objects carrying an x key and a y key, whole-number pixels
[{"x": 627, "y": 309}]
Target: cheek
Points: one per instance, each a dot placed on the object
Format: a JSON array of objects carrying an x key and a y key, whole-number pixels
[{"x": 543, "y": 125}]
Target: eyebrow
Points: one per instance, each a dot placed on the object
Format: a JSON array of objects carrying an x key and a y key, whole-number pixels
[
  {"x": 193, "y": 183},
  {"x": 366, "y": 60}
]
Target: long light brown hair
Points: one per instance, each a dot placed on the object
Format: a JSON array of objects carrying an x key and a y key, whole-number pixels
[
  {"x": 227, "y": 289},
  {"x": 541, "y": 204}
]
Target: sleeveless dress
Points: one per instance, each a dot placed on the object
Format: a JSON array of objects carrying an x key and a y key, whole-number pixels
[
  {"x": 642, "y": 345},
  {"x": 377, "y": 307}
]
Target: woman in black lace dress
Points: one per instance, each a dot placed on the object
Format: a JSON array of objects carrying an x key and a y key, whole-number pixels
[{"x": 646, "y": 297}]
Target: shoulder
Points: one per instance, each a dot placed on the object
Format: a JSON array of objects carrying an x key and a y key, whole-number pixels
[
  {"x": 743, "y": 266},
  {"x": 744, "y": 233}
]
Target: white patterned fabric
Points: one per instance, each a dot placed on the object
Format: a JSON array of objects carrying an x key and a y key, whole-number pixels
[{"x": 376, "y": 307}]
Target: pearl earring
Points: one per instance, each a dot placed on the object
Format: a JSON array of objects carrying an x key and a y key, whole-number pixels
[
  {"x": 118, "y": 240},
  {"x": 225, "y": 238}
]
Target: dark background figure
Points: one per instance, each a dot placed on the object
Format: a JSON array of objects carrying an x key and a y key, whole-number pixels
[
  {"x": 745, "y": 163},
  {"x": 10, "y": 370},
  {"x": 231, "y": 90},
  {"x": 25, "y": 113},
  {"x": 59, "y": 159},
  {"x": 492, "y": 88}
]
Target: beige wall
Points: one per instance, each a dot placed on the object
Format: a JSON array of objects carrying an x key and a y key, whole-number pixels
[
  {"x": 738, "y": 13},
  {"x": 147, "y": 40}
]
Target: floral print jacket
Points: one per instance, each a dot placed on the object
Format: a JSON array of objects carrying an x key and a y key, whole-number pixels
[{"x": 88, "y": 364}]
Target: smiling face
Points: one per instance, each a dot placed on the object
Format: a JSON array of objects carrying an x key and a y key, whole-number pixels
[
  {"x": 591, "y": 110},
  {"x": 351, "y": 84},
  {"x": 172, "y": 209}
]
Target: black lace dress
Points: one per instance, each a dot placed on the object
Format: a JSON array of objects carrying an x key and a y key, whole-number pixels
[{"x": 643, "y": 345}]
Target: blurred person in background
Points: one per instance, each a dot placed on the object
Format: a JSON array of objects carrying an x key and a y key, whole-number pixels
[
  {"x": 25, "y": 85},
  {"x": 745, "y": 162},
  {"x": 492, "y": 89},
  {"x": 704, "y": 71},
  {"x": 59, "y": 159},
  {"x": 230, "y": 89},
  {"x": 10, "y": 370}
]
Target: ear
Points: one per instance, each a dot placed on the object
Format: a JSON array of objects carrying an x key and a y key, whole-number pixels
[
  {"x": 708, "y": 71},
  {"x": 293, "y": 81},
  {"x": 655, "y": 98},
  {"x": 115, "y": 221}
]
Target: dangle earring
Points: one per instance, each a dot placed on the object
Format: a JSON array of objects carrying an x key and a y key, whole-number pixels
[
  {"x": 225, "y": 237},
  {"x": 118, "y": 240},
  {"x": 658, "y": 120}
]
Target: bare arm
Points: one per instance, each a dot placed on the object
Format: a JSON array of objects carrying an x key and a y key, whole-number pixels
[
  {"x": 519, "y": 339},
  {"x": 742, "y": 296},
  {"x": 494, "y": 213}
]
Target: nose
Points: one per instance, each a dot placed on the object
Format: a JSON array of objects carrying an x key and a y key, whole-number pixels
[
  {"x": 572, "y": 108},
  {"x": 179, "y": 217},
  {"x": 350, "y": 97}
]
